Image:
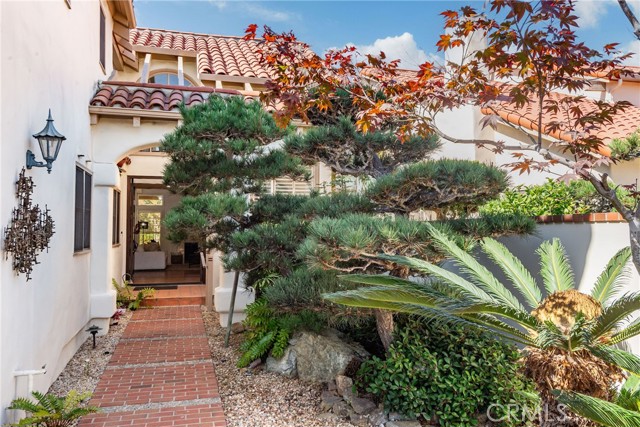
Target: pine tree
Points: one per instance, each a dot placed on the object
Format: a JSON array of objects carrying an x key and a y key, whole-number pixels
[{"x": 225, "y": 149}]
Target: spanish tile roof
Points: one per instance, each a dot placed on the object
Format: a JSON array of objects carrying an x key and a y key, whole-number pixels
[
  {"x": 225, "y": 55},
  {"x": 150, "y": 96},
  {"x": 624, "y": 123}
]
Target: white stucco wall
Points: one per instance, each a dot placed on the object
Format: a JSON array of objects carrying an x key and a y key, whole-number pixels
[{"x": 49, "y": 59}]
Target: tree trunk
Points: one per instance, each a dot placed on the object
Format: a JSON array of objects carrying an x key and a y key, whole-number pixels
[
  {"x": 634, "y": 240},
  {"x": 385, "y": 326},
  {"x": 232, "y": 306}
]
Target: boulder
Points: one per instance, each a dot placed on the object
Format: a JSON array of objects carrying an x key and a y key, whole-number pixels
[
  {"x": 321, "y": 357},
  {"x": 344, "y": 385},
  {"x": 362, "y": 406},
  {"x": 341, "y": 409},
  {"x": 328, "y": 399},
  {"x": 377, "y": 418},
  {"x": 286, "y": 365}
]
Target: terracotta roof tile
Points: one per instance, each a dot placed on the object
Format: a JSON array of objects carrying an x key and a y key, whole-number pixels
[
  {"x": 624, "y": 124},
  {"x": 232, "y": 56},
  {"x": 150, "y": 96}
]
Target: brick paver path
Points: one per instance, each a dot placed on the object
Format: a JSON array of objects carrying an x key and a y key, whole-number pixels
[{"x": 160, "y": 375}]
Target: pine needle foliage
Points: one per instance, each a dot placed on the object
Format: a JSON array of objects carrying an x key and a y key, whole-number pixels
[
  {"x": 347, "y": 151},
  {"x": 226, "y": 144},
  {"x": 49, "y": 410},
  {"x": 443, "y": 186}
]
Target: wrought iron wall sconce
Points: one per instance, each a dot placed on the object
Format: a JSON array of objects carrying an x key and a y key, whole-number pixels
[
  {"x": 50, "y": 141},
  {"x": 29, "y": 231}
]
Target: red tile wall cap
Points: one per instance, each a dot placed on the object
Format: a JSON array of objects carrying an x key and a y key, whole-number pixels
[
  {"x": 171, "y": 87},
  {"x": 578, "y": 218}
]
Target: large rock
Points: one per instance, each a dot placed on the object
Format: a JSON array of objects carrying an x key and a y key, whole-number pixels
[
  {"x": 321, "y": 357},
  {"x": 286, "y": 365}
]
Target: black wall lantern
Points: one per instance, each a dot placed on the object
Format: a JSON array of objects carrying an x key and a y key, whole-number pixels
[{"x": 50, "y": 141}]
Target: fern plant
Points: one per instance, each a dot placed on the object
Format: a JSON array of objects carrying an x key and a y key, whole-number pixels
[
  {"x": 127, "y": 297},
  {"x": 124, "y": 292},
  {"x": 269, "y": 331},
  {"x": 49, "y": 410}
]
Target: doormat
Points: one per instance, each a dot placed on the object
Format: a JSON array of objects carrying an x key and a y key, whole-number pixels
[{"x": 156, "y": 287}]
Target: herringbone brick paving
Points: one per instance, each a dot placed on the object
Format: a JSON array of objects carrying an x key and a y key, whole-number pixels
[{"x": 160, "y": 375}]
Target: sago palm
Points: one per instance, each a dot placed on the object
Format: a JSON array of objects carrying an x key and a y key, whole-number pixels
[
  {"x": 569, "y": 337},
  {"x": 49, "y": 410}
]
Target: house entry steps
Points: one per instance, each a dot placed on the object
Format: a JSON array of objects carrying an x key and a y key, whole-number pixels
[{"x": 160, "y": 375}]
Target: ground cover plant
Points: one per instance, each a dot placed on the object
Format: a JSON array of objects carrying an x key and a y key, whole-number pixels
[{"x": 447, "y": 374}]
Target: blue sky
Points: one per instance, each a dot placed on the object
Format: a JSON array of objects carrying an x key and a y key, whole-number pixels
[{"x": 403, "y": 29}]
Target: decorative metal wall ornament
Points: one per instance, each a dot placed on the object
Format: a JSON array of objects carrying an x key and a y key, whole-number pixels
[{"x": 29, "y": 231}]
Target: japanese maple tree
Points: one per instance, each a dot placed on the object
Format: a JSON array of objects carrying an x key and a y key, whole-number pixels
[{"x": 531, "y": 51}]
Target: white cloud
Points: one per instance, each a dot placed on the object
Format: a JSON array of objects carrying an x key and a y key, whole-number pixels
[
  {"x": 220, "y": 4},
  {"x": 632, "y": 47},
  {"x": 591, "y": 11},
  {"x": 261, "y": 12},
  {"x": 402, "y": 47}
]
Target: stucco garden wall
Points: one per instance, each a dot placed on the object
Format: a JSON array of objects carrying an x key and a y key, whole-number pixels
[{"x": 51, "y": 66}]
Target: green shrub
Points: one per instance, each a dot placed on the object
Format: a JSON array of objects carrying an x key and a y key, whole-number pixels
[
  {"x": 448, "y": 373},
  {"x": 626, "y": 148},
  {"x": 553, "y": 198}
]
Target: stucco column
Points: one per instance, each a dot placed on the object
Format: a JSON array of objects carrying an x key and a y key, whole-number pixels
[
  {"x": 222, "y": 293},
  {"x": 103, "y": 295}
]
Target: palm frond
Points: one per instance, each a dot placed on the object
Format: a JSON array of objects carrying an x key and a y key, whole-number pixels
[
  {"x": 378, "y": 280},
  {"x": 481, "y": 276},
  {"x": 629, "y": 332},
  {"x": 622, "y": 359},
  {"x": 467, "y": 288},
  {"x": 605, "y": 413},
  {"x": 612, "y": 278},
  {"x": 512, "y": 267},
  {"x": 616, "y": 313},
  {"x": 556, "y": 271},
  {"x": 394, "y": 294},
  {"x": 521, "y": 317}
]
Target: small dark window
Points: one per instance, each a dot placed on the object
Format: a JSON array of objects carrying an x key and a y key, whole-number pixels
[
  {"x": 168, "y": 79},
  {"x": 103, "y": 40},
  {"x": 115, "y": 237},
  {"x": 82, "y": 229}
]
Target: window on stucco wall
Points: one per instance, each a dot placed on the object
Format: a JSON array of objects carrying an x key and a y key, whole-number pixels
[
  {"x": 82, "y": 229},
  {"x": 103, "y": 39}
]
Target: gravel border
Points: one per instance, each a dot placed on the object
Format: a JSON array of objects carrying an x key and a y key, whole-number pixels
[
  {"x": 253, "y": 398},
  {"x": 83, "y": 371}
]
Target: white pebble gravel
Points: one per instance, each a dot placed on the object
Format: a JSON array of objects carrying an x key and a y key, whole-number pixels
[
  {"x": 258, "y": 398},
  {"x": 83, "y": 371}
]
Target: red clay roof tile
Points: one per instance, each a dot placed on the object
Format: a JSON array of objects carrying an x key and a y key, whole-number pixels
[
  {"x": 225, "y": 55},
  {"x": 624, "y": 123},
  {"x": 151, "y": 96}
]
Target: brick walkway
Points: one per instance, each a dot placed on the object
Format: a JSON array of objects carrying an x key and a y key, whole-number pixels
[{"x": 160, "y": 375}]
